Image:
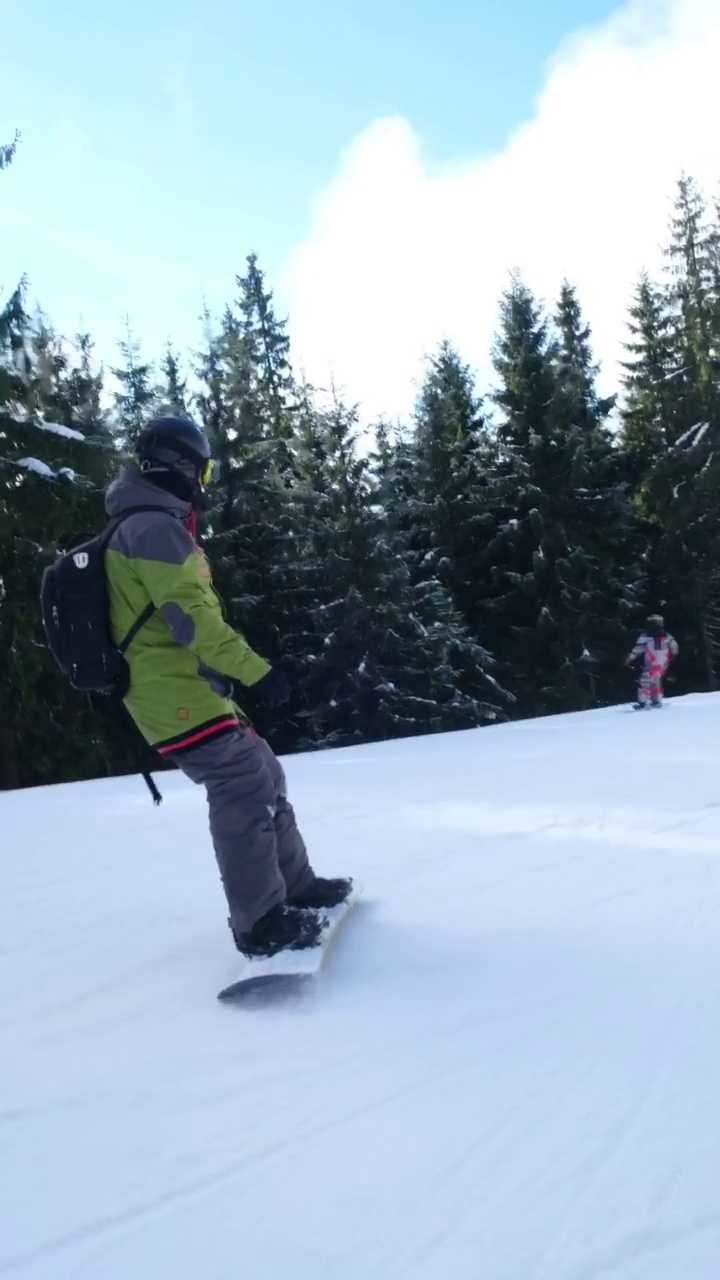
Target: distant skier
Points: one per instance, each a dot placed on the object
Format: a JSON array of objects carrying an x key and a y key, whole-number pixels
[
  {"x": 655, "y": 648},
  {"x": 185, "y": 663}
]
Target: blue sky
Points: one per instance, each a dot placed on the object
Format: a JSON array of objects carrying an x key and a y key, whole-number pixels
[{"x": 162, "y": 142}]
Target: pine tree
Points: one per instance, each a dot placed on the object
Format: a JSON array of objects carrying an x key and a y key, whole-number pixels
[
  {"x": 64, "y": 387},
  {"x": 172, "y": 392},
  {"x": 692, "y": 266},
  {"x": 606, "y": 566},
  {"x": 649, "y": 410},
  {"x": 14, "y": 359},
  {"x": 561, "y": 583},
  {"x": 228, "y": 400},
  {"x": 388, "y": 659},
  {"x": 679, "y": 394},
  {"x": 84, "y": 392},
  {"x": 452, "y": 453},
  {"x": 397, "y": 490},
  {"x": 48, "y": 475},
  {"x": 671, "y": 378},
  {"x": 14, "y": 372},
  {"x": 7, "y": 152},
  {"x": 269, "y": 351},
  {"x": 248, "y": 404},
  {"x": 210, "y": 396},
  {"x": 50, "y": 489},
  {"x": 685, "y": 557},
  {"x": 523, "y": 357},
  {"x": 576, "y": 393},
  {"x": 15, "y": 364},
  {"x": 246, "y": 533},
  {"x": 136, "y": 399}
]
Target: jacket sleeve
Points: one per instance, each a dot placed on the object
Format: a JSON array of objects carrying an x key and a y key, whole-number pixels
[
  {"x": 638, "y": 649},
  {"x": 175, "y": 576}
]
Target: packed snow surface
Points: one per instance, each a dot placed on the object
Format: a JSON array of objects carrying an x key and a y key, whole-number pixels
[{"x": 507, "y": 1069}]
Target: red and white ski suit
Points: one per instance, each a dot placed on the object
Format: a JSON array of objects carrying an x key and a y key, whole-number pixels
[{"x": 656, "y": 652}]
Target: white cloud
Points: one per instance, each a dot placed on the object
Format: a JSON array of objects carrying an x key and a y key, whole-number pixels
[{"x": 400, "y": 254}]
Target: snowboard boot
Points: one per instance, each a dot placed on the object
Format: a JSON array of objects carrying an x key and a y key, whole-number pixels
[
  {"x": 322, "y": 893},
  {"x": 282, "y": 928}
]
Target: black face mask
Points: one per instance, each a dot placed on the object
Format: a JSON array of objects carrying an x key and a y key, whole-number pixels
[{"x": 172, "y": 481}]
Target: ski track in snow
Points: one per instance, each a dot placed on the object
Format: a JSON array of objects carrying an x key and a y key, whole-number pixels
[{"x": 506, "y": 1069}]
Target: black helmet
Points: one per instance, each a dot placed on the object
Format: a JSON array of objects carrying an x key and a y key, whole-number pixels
[{"x": 175, "y": 448}]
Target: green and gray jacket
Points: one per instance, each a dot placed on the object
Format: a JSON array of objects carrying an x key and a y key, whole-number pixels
[{"x": 179, "y": 657}]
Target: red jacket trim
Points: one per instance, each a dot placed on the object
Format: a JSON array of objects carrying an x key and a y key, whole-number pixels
[{"x": 197, "y": 735}]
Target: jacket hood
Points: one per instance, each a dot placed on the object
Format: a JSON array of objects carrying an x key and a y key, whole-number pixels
[{"x": 131, "y": 489}]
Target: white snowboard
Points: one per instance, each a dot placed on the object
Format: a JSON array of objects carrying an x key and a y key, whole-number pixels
[{"x": 261, "y": 970}]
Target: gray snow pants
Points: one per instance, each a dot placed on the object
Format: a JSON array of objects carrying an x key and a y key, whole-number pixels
[{"x": 260, "y": 852}]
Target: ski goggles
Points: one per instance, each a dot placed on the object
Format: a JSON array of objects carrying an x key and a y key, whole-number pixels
[{"x": 207, "y": 471}]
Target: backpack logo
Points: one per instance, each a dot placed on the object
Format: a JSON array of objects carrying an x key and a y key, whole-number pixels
[{"x": 81, "y": 559}]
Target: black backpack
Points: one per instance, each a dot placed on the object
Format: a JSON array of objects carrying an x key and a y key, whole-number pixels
[
  {"x": 76, "y": 616},
  {"x": 75, "y": 608}
]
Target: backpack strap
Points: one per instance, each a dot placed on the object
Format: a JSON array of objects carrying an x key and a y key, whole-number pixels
[
  {"x": 126, "y": 720},
  {"x": 135, "y": 742},
  {"x": 149, "y": 609},
  {"x": 137, "y": 625}
]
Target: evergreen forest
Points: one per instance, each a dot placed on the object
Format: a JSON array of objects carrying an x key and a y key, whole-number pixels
[{"x": 492, "y": 558}]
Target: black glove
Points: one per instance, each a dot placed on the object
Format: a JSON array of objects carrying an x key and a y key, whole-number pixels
[{"x": 274, "y": 688}]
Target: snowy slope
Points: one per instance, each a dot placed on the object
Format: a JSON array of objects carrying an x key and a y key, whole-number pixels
[{"x": 508, "y": 1069}]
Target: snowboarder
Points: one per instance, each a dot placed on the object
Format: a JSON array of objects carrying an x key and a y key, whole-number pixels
[
  {"x": 655, "y": 648},
  {"x": 185, "y": 665}
]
